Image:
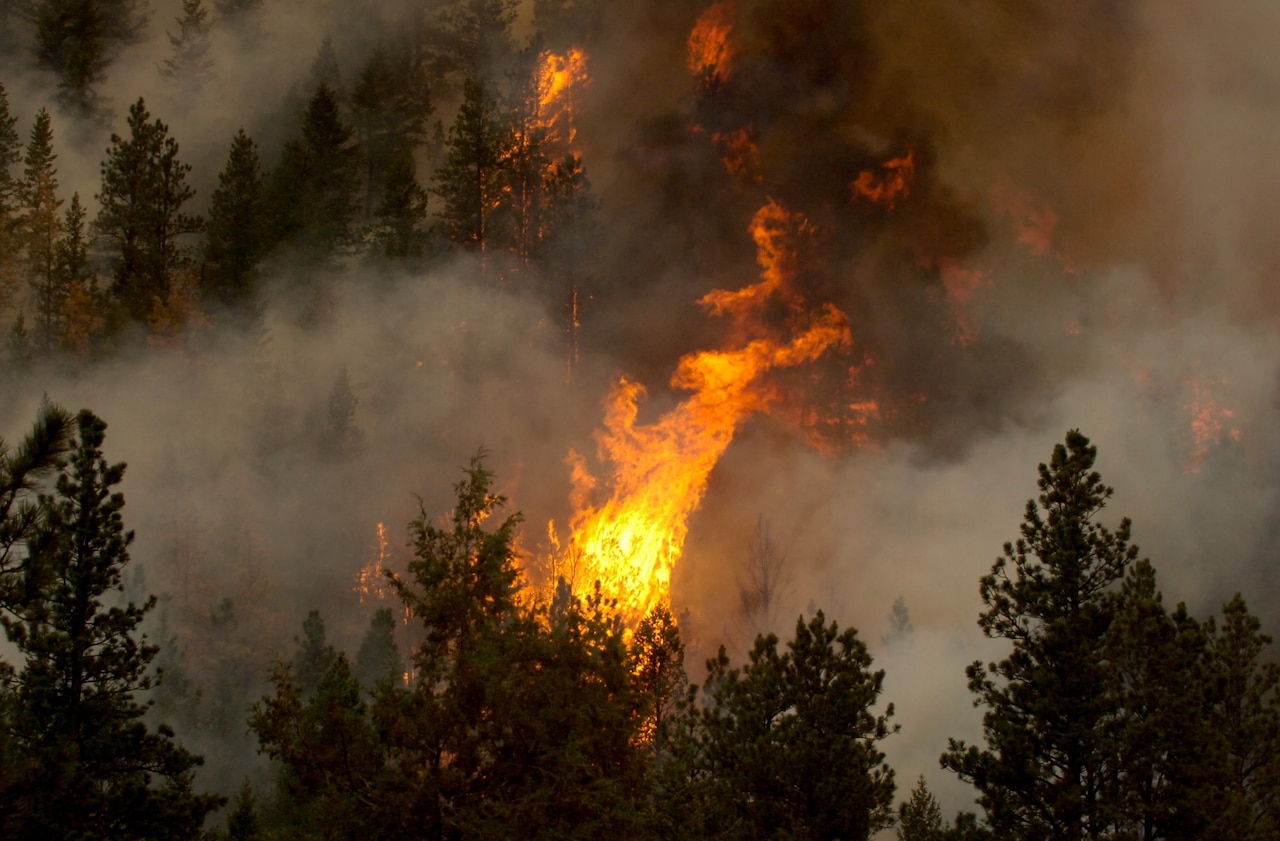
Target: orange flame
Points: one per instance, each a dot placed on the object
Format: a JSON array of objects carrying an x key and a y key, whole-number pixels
[
  {"x": 371, "y": 579},
  {"x": 889, "y": 187},
  {"x": 560, "y": 80},
  {"x": 1210, "y": 422},
  {"x": 631, "y": 542},
  {"x": 962, "y": 287},
  {"x": 710, "y": 51}
]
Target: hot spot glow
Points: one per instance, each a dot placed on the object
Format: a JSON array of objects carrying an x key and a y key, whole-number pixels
[
  {"x": 890, "y": 185},
  {"x": 561, "y": 77},
  {"x": 1210, "y": 422},
  {"x": 710, "y": 50}
]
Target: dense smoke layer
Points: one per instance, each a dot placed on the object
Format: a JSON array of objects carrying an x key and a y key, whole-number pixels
[{"x": 1085, "y": 241}]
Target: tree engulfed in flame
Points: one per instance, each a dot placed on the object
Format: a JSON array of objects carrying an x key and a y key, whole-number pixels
[
  {"x": 371, "y": 580},
  {"x": 561, "y": 77},
  {"x": 1210, "y": 422},
  {"x": 631, "y": 541},
  {"x": 891, "y": 185},
  {"x": 710, "y": 50}
]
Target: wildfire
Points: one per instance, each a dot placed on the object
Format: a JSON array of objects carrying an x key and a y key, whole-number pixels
[
  {"x": 710, "y": 50},
  {"x": 891, "y": 185},
  {"x": 560, "y": 79},
  {"x": 1210, "y": 422},
  {"x": 962, "y": 287},
  {"x": 371, "y": 579},
  {"x": 631, "y": 542}
]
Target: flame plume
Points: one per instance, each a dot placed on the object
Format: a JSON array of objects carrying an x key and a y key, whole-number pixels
[
  {"x": 631, "y": 542},
  {"x": 710, "y": 50}
]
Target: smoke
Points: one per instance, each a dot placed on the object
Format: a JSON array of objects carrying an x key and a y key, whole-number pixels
[{"x": 1087, "y": 243}]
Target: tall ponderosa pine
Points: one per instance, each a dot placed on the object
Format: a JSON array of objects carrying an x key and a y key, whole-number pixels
[
  {"x": 77, "y": 40},
  {"x": 10, "y": 203},
  {"x": 82, "y": 763},
  {"x": 23, "y": 469},
  {"x": 143, "y": 190},
  {"x": 1044, "y": 771},
  {"x": 390, "y": 108},
  {"x": 789, "y": 745},
  {"x": 43, "y": 231},
  {"x": 190, "y": 64},
  {"x": 76, "y": 275},
  {"x": 401, "y": 218},
  {"x": 312, "y": 191},
  {"x": 471, "y": 182},
  {"x": 234, "y": 239}
]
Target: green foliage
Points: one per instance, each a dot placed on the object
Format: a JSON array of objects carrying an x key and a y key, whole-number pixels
[
  {"x": 190, "y": 64},
  {"x": 920, "y": 818},
  {"x": 312, "y": 191},
  {"x": 471, "y": 181},
  {"x": 1047, "y": 703},
  {"x": 786, "y": 746},
  {"x": 42, "y": 233},
  {"x": 81, "y": 762},
  {"x": 77, "y": 39},
  {"x": 379, "y": 658},
  {"x": 314, "y": 655},
  {"x": 234, "y": 239},
  {"x": 143, "y": 190}
]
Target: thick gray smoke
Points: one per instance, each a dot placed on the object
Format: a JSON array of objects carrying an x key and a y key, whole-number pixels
[{"x": 1087, "y": 242}]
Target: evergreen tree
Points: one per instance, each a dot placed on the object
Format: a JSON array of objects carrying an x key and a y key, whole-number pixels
[
  {"x": 379, "y": 658},
  {"x": 190, "y": 65},
  {"x": 789, "y": 742},
  {"x": 243, "y": 823},
  {"x": 402, "y": 214},
  {"x": 314, "y": 654},
  {"x": 473, "y": 40},
  {"x": 920, "y": 818},
  {"x": 312, "y": 191},
  {"x": 390, "y": 108},
  {"x": 84, "y": 763},
  {"x": 43, "y": 232},
  {"x": 1248, "y": 726},
  {"x": 10, "y": 203},
  {"x": 143, "y": 190},
  {"x": 1043, "y": 773},
  {"x": 471, "y": 181},
  {"x": 77, "y": 39},
  {"x": 1165, "y": 778},
  {"x": 76, "y": 275},
  {"x": 234, "y": 239},
  {"x": 22, "y": 471}
]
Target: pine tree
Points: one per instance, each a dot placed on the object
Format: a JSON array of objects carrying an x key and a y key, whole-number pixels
[
  {"x": 920, "y": 818},
  {"x": 85, "y": 765},
  {"x": 190, "y": 65},
  {"x": 77, "y": 40},
  {"x": 378, "y": 658},
  {"x": 1051, "y": 594},
  {"x": 471, "y": 181},
  {"x": 143, "y": 190},
  {"x": 22, "y": 471},
  {"x": 402, "y": 214},
  {"x": 312, "y": 191},
  {"x": 43, "y": 233},
  {"x": 1247, "y": 725},
  {"x": 234, "y": 239},
  {"x": 76, "y": 275},
  {"x": 789, "y": 744},
  {"x": 10, "y": 203},
  {"x": 314, "y": 654},
  {"x": 390, "y": 108}
]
